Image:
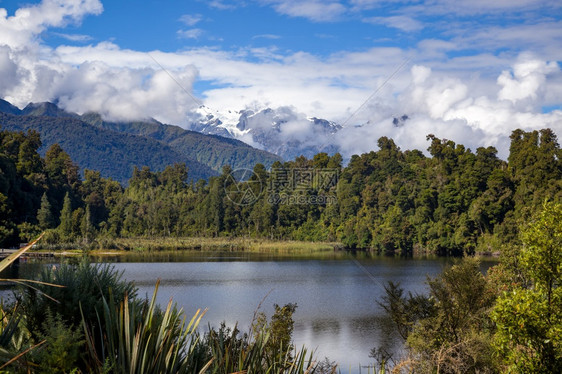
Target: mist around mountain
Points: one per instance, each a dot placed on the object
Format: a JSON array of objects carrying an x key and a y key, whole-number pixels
[{"x": 282, "y": 130}]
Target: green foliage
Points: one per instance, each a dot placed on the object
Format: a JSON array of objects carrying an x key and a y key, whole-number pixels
[
  {"x": 65, "y": 228},
  {"x": 279, "y": 330},
  {"x": 448, "y": 331},
  {"x": 62, "y": 349},
  {"x": 13, "y": 335},
  {"x": 85, "y": 286},
  {"x": 267, "y": 349},
  {"x": 455, "y": 202},
  {"x": 139, "y": 338},
  {"x": 45, "y": 216},
  {"x": 541, "y": 256},
  {"x": 529, "y": 316},
  {"x": 28, "y": 232},
  {"x": 404, "y": 311}
]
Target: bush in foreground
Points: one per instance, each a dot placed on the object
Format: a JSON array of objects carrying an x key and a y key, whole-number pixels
[{"x": 95, "y": 323}]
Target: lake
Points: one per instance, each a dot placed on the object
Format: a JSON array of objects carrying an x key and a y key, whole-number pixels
[{"x": 337, "y": 312}]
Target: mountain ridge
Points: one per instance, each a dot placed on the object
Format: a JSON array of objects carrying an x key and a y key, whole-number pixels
[
  {"x": 192, "y": 144},
  {"x": 114, "y": 148}
]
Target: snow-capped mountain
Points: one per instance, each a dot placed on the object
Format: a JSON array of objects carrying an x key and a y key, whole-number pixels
[{"x": 282, "y": 131}]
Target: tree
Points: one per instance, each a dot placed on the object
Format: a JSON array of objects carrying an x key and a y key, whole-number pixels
[
  {"x": 6, "y": 227},
  {"x": 279, "y": 329},
  {"x": 61, "y": 171},
  {"x": 66, "y": 224},
  {"x": 449, "y": 330},
  {"x": 529, "y": 318},
  {"x": 86, "y": 226},
  {"x": 45, "y": 216}
]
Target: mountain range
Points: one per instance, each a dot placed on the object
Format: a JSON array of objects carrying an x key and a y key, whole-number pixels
[
  {"x": 282, "y": 131},
  {"x": 115, "y": 148}
]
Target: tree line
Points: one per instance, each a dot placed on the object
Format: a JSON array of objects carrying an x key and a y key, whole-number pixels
[{"x": 452, "y": 202}]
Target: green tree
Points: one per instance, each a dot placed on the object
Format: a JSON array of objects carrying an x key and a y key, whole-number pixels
[
  {"x": 60, "y": 168},
  {"x": 448, "y": 331},
  {"x": 280, "y": 329},
  {"x": 45, "y": 216},
  {"x": 66, "y": 223},
  {"x": 6, "y": 227},
  {"x": 529, "y": 317},
  {"x": 86, "y": 226}
]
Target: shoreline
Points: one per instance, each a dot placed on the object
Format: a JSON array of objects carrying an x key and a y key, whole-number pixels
[
  {"x": 127, "y": 246},
  {"x": 105, "y": 247}
]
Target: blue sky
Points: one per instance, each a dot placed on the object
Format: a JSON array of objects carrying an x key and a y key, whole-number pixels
[
  {"x": 351, "y": 26},
  {"x": 471, "y": 71}
]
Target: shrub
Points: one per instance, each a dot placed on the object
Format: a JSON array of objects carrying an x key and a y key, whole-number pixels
[
  {"x": 141, "y": 338},
  {"x": 85, "y": 286},
  {"x": 62, "y": 349},
  {"x": 528, "y": 315},
  {"x": 449, "y": 330}
]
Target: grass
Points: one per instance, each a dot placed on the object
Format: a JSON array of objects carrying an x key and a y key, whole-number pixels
[{"x": 236, "y": 244}]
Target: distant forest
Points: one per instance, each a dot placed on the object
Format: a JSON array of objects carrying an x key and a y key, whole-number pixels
[{"x": 454, "y": 202}]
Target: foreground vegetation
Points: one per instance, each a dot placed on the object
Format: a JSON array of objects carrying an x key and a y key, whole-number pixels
[
  {"x": 96, "y": 323},
  {"x": 509, "y": 320}
]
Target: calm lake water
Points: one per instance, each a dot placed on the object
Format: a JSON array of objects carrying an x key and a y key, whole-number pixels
[{"x": 337, "y": 312}]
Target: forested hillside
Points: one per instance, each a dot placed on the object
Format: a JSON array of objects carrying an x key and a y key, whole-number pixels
[
  {"x": 112, "y": 154},
  {"x": 136, "y": 143},
  {"x": 453, "y": 202},
  {"x": 211, "y": 150}
]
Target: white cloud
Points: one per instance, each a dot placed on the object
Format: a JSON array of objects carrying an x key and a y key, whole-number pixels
[
  {"x": 486, "y": 6},
  {"x": 539, "y": 37},
  {"x": 527, "y": 78},
  {"x": 123, "y": 93},
  {"x": 20, "y": 29},
  {"x": 315, "y": 10},
  {"x": 190, "y": 34},
  {"x": 225, "y": 4},
  {"x": 447, "y": 108},
  {"x": 8, "y": 70},
  {"x": 404, "y": 23},
  {"x": 191, "y": 19},
  {"x": 73, "y": 37},
  {"x": 459, "y": 7},
  {"x": 266, "y": 36}
]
